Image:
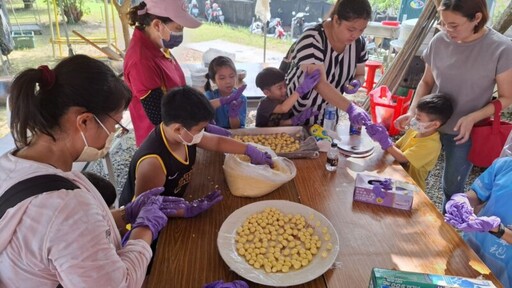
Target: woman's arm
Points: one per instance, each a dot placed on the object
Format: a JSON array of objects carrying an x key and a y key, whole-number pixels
[{"x": 465, "y": 123}]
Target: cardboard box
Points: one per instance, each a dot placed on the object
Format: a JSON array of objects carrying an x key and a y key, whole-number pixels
[
  {"x": 400, "y": 196},
  {"x": 383, "y": 278}
]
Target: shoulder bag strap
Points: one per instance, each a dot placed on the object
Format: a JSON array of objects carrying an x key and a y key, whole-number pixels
[
  {"x": 31, "y": 187},
  {"x": 497, "y": 116}
]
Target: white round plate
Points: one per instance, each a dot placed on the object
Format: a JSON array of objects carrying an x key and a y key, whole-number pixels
[{"x": 317, "y": 267}]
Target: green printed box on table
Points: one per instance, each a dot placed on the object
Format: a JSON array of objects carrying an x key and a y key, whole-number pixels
[
  {"x": 23, "y": 39},
  {"x": 384, "y": 278}
]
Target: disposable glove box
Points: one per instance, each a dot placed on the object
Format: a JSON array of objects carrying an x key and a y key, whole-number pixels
[
  {"x": 400, "y": 195},
  {"x": 391, "y": 278}
]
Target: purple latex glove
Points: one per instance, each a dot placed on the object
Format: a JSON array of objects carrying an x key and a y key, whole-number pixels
[
  {"x": 357, "y": 115},
  {"x": 133, "y": 208},
  {"x": 258, "y": 157},
  {"x": 222, "y": 284},
  {"x": 234, "y": 108},
  {"x": 379, "y": 187},
  {"x": 300, "y": 118},
  {"x": 150, "y": 216},
  {"x": 458, "y": 210},
  {"x": 187, "y": 209},
  {"x": 310, "y": 80},
  {"x": 352, "y": 87},
  {"x": 379, "y": 134},
  {"x": 234, "y": 96},
  {"x": 214, "y": 129},
  {"x": 480, "y": 224}
]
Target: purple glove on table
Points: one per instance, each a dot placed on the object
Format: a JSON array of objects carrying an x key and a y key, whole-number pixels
[
  {"x": 357, "y": 115},
  {"x": 310, "y": 80},
  {"x": 352, "y": 87},
  {"x": 187, "y": 209},
  {"x": 133, "y": 208},
  {"x": 222, "y": 284},
  {"x": 300, "y": 118},
  {"x": 379, "y": 187},
  {"x": 258, "y": 157},
  {"x": 379, "y": 134},
  {"x": 234, "y": 96},
  {"x": 234, "y": 108},
  {"x": 214, "y": 129},
  {"x": 150, "y": 216}
]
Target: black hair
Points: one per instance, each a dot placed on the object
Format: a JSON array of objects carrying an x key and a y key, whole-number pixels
[
  {"x": 105, "y": 187},
  {"x": 269, "y": 77},
  {"x": 80, "y": 81},
  {"x": 348, "y": 10},
  {"x": 468, "y": 9},
  {"x": 216, "y": 63},
  {"x": 141, "y": 21},
  {"x": 186, "y": 106},
  {"x": 438, "y": 107}
]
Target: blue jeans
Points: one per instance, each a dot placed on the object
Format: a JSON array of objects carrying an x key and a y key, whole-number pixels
[{"x": 456, "y": 166}]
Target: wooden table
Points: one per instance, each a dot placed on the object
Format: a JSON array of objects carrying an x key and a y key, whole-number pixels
[{"x": 369, "y": 235}]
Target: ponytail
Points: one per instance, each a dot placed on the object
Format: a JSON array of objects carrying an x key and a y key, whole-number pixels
[
  {"x": 24, "y": 102},
  {"x": 207, "y": 85},
  {"x": 39, "y": 98},
  {"x": 140, "y": 18}
]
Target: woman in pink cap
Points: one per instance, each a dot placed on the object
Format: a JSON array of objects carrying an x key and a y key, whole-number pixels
[{"x": 150, "y": 70}]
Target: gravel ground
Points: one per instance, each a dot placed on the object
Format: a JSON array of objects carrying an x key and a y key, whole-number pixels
[{"x": 123, "y": 152}]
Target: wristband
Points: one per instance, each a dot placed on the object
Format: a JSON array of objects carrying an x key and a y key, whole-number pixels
[{"x": 500, "y": 232}]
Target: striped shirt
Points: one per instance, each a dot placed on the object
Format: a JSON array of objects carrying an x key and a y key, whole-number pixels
[{"x": 313, "y": 48}]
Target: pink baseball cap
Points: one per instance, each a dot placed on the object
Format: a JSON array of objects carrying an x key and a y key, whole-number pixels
[{"x": 177, "y": 10}]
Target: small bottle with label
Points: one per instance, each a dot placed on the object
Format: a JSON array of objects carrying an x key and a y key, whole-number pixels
[
  {"x": 332, "y": 158},
  {"x": 330, "y": 118},
  {"x": 353, "y": 130}
]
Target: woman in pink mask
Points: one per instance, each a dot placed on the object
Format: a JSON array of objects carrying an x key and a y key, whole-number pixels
[{"x": 150, "y": 70}]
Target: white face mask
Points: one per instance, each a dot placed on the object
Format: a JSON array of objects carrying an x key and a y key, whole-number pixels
[
  {"x": 91, "y": 153},
  {"x": 420, "y": 127},
  {"x": 195, "y": 138}
]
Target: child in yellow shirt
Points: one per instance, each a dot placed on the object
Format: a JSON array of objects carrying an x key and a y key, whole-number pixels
[{"x": 420, "y": 147}]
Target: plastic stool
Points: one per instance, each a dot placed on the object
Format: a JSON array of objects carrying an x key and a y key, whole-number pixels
[
  {"x": 386, "y": 113},
  {"x": 370, "y": 76}
]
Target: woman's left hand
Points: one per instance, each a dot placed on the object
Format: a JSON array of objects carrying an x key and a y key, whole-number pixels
[{"x": 464, "y": 126}]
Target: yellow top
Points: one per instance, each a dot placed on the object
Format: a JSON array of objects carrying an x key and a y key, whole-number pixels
[{"x": 422, "y": 154}]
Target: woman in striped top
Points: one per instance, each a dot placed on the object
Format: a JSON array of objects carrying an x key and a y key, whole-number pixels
[{"x": 337, "y": 47}]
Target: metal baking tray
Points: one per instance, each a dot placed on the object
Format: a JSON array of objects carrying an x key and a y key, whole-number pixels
[{"x": 308, "y": 147}]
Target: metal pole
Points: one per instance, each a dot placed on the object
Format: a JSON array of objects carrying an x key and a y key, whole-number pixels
[
  {"x": 51, "y": 28},
  {"x": 107, "y": 22},
  {"x": 265, "y": 42}
]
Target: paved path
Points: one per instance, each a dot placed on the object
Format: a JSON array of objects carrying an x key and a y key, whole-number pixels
[{"x": 242, "y": 53}]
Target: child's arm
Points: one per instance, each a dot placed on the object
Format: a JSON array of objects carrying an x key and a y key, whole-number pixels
[
  {"x": 287, "y": 104},
  {"x": 397, "y": 154},
  {"x": 228, "y": 145},
  {"x": 235, "y": 95},
  {"x": 150, "y": 174},
  {"x": 309, "y": 82}
]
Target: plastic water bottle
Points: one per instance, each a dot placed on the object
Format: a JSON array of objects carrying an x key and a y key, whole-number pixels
[
  {"x": 332, "y": 158},
  {"x": 330, "y": 118}
]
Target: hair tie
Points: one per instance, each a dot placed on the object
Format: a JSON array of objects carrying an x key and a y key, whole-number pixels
[
  {"x": 47, "y": 77},
  {"x": 142, "y": 11}
]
